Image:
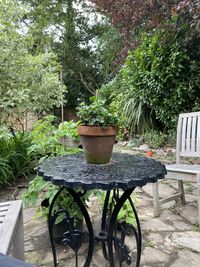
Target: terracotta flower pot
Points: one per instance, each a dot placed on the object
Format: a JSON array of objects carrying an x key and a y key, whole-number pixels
[{"x": 97, "y": 143}]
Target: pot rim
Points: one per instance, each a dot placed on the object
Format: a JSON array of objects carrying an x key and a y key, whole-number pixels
[{"x": 90, "y": 130}]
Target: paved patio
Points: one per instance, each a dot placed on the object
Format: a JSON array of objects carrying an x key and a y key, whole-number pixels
[{"x": 172, "y": 240}]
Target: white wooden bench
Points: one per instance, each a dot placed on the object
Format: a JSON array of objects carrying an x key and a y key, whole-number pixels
[
  {"x": 11, "y": 229},
  {"x": 187, "y": 145}
]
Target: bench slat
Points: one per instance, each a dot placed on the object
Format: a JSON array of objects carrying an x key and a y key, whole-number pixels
[{"x": 7, "y": 227}]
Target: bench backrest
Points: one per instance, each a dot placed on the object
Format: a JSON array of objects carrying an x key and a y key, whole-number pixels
[{"x": 188, "y": 135}]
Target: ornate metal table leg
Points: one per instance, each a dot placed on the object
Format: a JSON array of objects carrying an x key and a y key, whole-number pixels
[
  {"x": 120, "y": 247},
  {"x": 51, "y": 223},
  {"x": 103, "y": 224},
  {"x": 88, "y": 223},
  {"x": 73, "y": 238},
  {"x": 137, "y": 233}
]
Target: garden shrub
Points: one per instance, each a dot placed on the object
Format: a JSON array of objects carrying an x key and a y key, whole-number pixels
[
  {"x": 6, "y": 174},
  {"x": 20, "y": 152},
  {"x": 39, "y": 189},
  {"x": 43, "y": 140},
  {"x": 46, "y": 142},
  {"x": 155, "y": 139},
  {"x": 20, "y": 157},
  {"x": 160, "y": 79},
  {"x": 15, "y": 157},
  {"x": 46, "y": 137},
  {"x": 113, "y": 96}
]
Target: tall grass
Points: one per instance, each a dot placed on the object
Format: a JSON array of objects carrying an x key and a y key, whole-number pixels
[
  {"x": 6, "y": 174},
  {"x": 15, "y": 158}
]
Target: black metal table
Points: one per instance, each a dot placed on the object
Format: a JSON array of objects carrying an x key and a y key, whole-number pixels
[{"x": 121, "y": 176}]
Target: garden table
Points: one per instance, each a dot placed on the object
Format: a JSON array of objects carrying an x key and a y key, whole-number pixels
[{"x": 118, "y": 178}]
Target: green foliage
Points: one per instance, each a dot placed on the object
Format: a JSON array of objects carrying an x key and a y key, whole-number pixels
[
  {"x": 46, "y": 142},
  {"x": 109, "y": 44},
  {"x": 97, "y": 113},
  {"x": 15, "y": 157},
  {"x": 69, "y": 129},
  {"x": 46, "y": 137},
  {"x": 155, "y": 139},
  {"x": 161, "y": 79},
  {"x": 126, "y": 212},
  {"x": 113, "y": 96},
  {"x": 138, "y": 116},
  {"x": 40, "y": 189},
  {"x": 20, "y": 157},
  {"x": 6, "y": 174},
  {"x": 71, "y": 30},
  {"x": 112, "y": 90},
  {"x": 18, "y": 151},
  {"x": 27, "y": 82},
  {"x": 196, "y": 228}
]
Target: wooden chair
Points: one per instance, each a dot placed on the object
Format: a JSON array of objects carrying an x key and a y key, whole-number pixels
[
  {"x": 11, "y": 229},
  {"x": 187, "y": 145}
]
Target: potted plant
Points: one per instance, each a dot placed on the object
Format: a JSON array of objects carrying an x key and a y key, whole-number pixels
[
  {"x": 48, "y": 137},
  {"x": 149, "y": 153},
  {"x": 97, "y": 130},
  {"x": 67, "y": 131}
]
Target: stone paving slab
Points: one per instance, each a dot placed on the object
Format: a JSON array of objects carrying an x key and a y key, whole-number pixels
[{"x": 187, "y": 258}]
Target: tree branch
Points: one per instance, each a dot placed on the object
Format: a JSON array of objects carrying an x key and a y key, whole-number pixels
[{"x": 87, "y": 86}]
